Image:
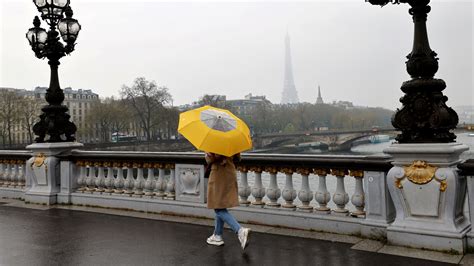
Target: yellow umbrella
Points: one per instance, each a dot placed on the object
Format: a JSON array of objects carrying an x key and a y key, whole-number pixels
[{"x": 215, "y": 130}]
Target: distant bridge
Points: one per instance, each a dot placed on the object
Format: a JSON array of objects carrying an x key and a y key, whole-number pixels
[{"x": 336, "y": 140}]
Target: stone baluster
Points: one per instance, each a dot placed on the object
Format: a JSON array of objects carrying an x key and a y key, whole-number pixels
[
  {"x": 258, "y": 191},
  {"x": 81, "y": 179},
  {"x": 289, "y": 192},
  {"x": 21, "y": 173},
  {"x": 340, "y": 197},
  {"x": 100, "y": 179},
  {"x": 119, "y": 180},
  {"x": 244, "y": 188},
  {"x": 8, "y": 170},
  {"x": 2, "y": 172},
  {"x": 171, "y": 185},
  {"x": 140, "y": 181},
  {"x": 160, "y": 185},
  {"x": 129, "y": 183},
  {"x": 358, "y": 199},
  {"x": 322, "y": 196},
  {"x": 110, "y": 179},
  {"x": 305, "y": 195},
  {"x": 14, "y": 174},
  {"x": 150, "y": 180},
  {"x": 273, "y": 192},
  {"x": 90, "y": 177}
]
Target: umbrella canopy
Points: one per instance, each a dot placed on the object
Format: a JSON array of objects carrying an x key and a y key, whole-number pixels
[{"x": 215, "y": 130}]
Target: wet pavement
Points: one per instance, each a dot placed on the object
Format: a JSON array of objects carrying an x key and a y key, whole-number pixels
[{"x": 66, "y": 237}]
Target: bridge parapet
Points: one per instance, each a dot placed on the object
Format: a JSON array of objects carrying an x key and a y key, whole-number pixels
[{"x": 339, "y": 194}]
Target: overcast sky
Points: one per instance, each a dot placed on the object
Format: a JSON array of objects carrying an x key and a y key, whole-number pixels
[{"x": 353, "y": 50}]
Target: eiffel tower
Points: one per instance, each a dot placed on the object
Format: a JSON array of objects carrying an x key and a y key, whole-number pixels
[{"x": 289, "y": 95}]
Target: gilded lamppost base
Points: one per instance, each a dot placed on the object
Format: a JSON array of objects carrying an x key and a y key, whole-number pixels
[{"x": 428, "y": 195}]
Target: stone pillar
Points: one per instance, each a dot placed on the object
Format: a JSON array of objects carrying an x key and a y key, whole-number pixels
[
  {"x": 379, "y": 209},
  {"x": 43, "y": 171},
  {"x": 428, "y": 195},
  {"x": 470, "y": 191}
]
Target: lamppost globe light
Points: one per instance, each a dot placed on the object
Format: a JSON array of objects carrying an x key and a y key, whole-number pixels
[
  {"x": 51, "y": 10},
  {"x": 69, "y": 27},
  {"x": 37, "y": 36}
]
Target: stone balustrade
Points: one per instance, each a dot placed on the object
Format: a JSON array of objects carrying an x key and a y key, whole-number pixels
[
  {"x": 174, "y": 183},
  {"x": 13, "y": 173},
  {"x": 132, "y": 179},
  {"x": 298, "y": 191}
]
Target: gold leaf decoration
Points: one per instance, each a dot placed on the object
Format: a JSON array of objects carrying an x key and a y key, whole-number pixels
[
  {"x": 243, "y": 168},
  {"x": 420, "y": 172},
  {"x": 303, "y": 171},
  {"x": 443, "y": 185},
  {"x": 256, "y": 169},
  {"x": 398, "y": 183},
  {"x": 287, "y": 170},
  {"x": 356, "y": 173},
  {"x": 339, "y": 172},
  {"x": 322, "y": 171},
  {"x": 39, "y": 160},
  {"x": 271, "y": 170}
]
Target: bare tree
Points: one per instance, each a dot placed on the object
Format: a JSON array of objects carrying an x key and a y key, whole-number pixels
[
  {"x": 123, "y": 116},
  {"x": 100, "y": 118},
  {"x": 28, "y": 115},
  {"x": 9, "y": 112},
  {"x": 147, "y": 100},
  {"x": 218, "y": 101}
]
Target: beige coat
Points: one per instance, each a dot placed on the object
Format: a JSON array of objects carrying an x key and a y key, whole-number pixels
[{"x": 222, "y": 191}]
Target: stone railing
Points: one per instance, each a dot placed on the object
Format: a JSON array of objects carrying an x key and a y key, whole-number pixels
[
  {"x": 467, "y": 170},
  {"x": 174, "y": 183},
  {"x": 13, "y": 173},
  {"x": 341, "y": 194}
]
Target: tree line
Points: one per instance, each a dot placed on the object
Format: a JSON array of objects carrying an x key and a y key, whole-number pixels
[
  {"x": 18, "y": 113},
  {"x": 145, "y": 110}
]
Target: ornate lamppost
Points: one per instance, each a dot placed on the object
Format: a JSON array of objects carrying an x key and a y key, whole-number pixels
[
  {"x": 424, "y": 117},
  {"x": 427, "y": 192},
  {"x": 54, "y": 121}
]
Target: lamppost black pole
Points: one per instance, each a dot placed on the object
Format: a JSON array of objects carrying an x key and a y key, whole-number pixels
[
  {"x": 54, "y": 121},
  {"x": 424, "y": 116}
]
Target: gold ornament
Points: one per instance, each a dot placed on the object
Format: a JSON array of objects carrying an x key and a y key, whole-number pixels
[
  {"x": 420, "y": 172},
  {"x": 39, "y": 160},
  {"x": 356, "y": 173},
  {"x": 321, "y": 171},
  {"x": 339, "y": 172}
]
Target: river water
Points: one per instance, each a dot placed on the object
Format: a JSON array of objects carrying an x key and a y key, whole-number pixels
[{"x": 364, "y": 149}]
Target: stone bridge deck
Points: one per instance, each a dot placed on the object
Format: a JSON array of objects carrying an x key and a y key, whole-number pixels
[{"x": 65, "y": 235}]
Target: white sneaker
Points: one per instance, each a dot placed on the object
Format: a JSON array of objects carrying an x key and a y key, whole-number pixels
[
  {"x": 215, "y": 240},
  {"x": 244, "y": 236}
]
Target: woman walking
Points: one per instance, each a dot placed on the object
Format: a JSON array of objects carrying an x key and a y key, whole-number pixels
[{"x": 222, "y": 193}]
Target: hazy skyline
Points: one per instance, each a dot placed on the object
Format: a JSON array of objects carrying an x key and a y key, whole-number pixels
[{"x": 353, "y": 50}]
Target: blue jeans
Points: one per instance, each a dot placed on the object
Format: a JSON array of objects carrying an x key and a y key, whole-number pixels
[{"x": 223, "y": 216}]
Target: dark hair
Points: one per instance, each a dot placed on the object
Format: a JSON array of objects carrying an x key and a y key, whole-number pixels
[{"x": 236, "y": 158}]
